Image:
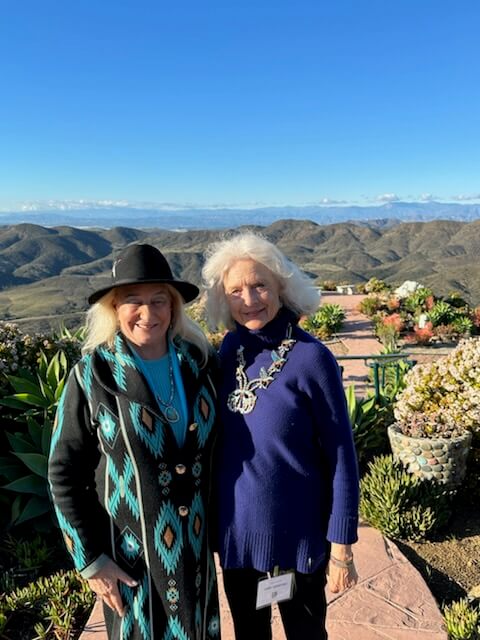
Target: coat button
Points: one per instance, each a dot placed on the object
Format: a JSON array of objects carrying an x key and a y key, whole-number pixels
[
  {"x": 183, "y": 511},
  {"x": 180, "y": 469},
  {"x": 193, "y": 426}
]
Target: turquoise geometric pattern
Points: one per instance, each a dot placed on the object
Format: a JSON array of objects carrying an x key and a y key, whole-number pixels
[
  {"x": 135, "y": 600},
  {"x": 214, "y": 626},
  {"x": 119, "y": 360},
  {"x": 153, "y": 438},
  {"x": 72, "y": 540},
  {"x": 184, "y": 353},
  {"x": 122, "y": 490},
  {"x": 196, "y": 525},
  {"x": 197, "y": 469},
  {"x": 168, "y": 537},
  {"x": 172, "y": 595},
  {"x": 108, "y": 425},
  {"x": 58, "y": 423},
  {"x": 130, "y": 546},
  {"x": 204, "y": 415},
  {"x": 175, "y": 631},
  {"x": 87, "y": 375}
]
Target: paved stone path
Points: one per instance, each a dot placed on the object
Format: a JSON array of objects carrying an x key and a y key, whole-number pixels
[
  {"x": 391, "y": 600},
  {"x": 355, "y": 339}
]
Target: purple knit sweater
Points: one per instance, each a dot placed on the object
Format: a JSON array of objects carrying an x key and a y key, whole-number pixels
[{"x": 287, "y": 472}]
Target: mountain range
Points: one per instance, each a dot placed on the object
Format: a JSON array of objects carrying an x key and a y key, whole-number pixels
[
  {"x": 47, "y": 273},
  {"x": 167, "y": 216}
]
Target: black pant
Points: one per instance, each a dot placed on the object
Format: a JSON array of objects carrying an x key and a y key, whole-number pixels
[{"x": 303, "y": 616}]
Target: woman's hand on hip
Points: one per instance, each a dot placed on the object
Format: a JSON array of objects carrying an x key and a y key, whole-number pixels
[{"x": 105, "y": 584}]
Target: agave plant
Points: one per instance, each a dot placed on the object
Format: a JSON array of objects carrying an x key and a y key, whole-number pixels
[
  {"x": 326, "y": 321},
  {"x": 24, "y": 468},
  {"x": 369, "y": 417}
]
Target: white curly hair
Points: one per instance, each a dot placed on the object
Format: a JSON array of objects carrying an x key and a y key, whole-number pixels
[{"x": 297, "y": 291}]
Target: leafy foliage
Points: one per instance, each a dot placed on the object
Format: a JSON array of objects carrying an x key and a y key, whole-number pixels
[
  {"x": 369, "y": 418},
  {"x": 462, "y": 620},
  {"x": 55, "y": 607},
  {"x": 326, "y": 321},
  {"x": 32, "y": 407},
  {"x": 441, "y": 313},
  {"x": 399, "y": 504}
]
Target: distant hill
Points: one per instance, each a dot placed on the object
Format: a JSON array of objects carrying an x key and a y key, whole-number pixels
[
  {"x": 151, "y": 216},
  {"x": 48, "y": 273}
]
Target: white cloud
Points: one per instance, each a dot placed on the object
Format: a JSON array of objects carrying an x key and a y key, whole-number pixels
[
  {"x": 388, "y": 197},
  {"x": 466, "y": 197}
]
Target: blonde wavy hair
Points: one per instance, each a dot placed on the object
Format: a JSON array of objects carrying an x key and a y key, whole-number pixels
[
  {"x": 102, "y": 323},
  {"x": 297, "y": 291}
]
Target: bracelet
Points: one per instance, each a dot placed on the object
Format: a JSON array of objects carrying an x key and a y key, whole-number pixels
[{"x": 343, "y": 564}]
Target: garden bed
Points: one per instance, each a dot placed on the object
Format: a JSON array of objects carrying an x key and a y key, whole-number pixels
[{"x": 450, "y": 562}]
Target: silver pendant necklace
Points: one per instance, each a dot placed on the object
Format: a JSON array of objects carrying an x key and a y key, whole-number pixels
[
  {"x": 168, "y": 408},
  {"x": 243, "y": 398}
]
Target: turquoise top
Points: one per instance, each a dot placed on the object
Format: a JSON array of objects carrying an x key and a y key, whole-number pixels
[{"x": 157, "y": 373}]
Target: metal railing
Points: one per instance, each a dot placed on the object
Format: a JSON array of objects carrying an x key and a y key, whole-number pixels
[{"x": 381, "y": 365}]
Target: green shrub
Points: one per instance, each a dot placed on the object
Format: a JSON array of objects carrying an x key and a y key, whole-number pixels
[
  {"x": 441, "y": 313},
  {"x": 328, "y": 285},
  {"x": 51, "y": 608},
  {"x": 370, "y": 305},
  {"x": 369, "y": 418},
  {"x": 22, "y": 351},
  {"x": 24, "y": 467},
  {"x": 327, "y": 320},
  {"x": 462, "y": 620},
  {"x": 419, "y": 301},
  {"x": 27, "y": 554},
  {"x": 374, "y": 285},
  {"x": 463, "y": 326},
  {"x": 399, "y": 504}
]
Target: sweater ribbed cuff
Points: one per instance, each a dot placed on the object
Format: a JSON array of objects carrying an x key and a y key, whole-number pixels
[{"x": 343, "y": 530}]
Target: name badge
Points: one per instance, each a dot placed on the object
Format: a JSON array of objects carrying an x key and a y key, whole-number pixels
[{"x": 276, "y": 589}]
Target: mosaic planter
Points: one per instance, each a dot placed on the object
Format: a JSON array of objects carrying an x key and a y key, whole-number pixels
[{"x": 440, "y": 459}]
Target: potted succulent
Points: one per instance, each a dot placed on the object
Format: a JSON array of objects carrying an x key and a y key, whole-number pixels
[{"x": 437, "y": 412}]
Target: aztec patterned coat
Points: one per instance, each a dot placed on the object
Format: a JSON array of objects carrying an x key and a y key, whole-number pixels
[{"x": 122, "y": 487}]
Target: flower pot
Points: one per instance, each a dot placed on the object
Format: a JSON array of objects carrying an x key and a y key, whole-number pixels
[{"x": 435, "y": 458}]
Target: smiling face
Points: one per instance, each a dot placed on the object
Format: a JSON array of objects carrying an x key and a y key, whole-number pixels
[
  {"x": 144, "y": 313},
  {"x": 252, "y": 292}
]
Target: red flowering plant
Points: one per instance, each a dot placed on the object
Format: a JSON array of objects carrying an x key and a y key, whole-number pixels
[
  {"x": 393, "y": 304},
  {"x": 395, "y": 321},
  {"x": 421, "y": 335}
]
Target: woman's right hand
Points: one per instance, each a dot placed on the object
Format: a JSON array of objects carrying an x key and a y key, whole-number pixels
[{"x": 105, "y": 584}]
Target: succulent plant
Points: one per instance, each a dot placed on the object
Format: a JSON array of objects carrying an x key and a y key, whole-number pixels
[{"x": 442, "y": 397}]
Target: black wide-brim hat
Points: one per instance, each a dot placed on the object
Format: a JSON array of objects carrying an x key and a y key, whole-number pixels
[{"x": 144, "y": 264}]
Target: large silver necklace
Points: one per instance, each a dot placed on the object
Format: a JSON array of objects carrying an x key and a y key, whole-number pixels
[{"x": 243, "y": 398}]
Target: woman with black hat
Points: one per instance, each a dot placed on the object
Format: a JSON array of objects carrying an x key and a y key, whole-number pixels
[{"x": 130, "y": 456}]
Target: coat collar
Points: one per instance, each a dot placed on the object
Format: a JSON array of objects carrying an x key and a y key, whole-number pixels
[{"x": 116, "y": 371}]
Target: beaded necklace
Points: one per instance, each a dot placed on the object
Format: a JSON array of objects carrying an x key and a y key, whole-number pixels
[{"x": 243, "y": 398}]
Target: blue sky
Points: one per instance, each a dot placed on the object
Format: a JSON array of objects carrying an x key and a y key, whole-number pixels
[{"x": 239, "y": 103}]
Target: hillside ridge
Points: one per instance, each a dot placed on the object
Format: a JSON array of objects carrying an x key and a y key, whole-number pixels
[{"x": 51, "y": 271}]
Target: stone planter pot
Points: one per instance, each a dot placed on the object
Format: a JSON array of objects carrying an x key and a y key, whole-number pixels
[{"x": 441, "y": 459}]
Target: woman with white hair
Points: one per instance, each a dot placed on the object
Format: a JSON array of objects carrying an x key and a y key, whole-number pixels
[
  {"x": 287, "y": 477},
  {"x": 130, "y": 456}
]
